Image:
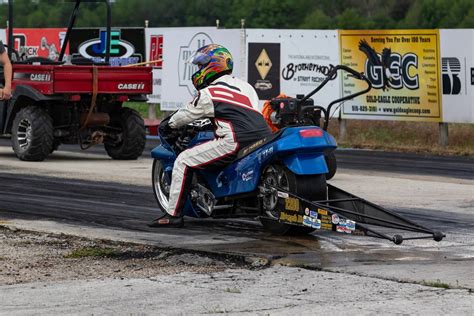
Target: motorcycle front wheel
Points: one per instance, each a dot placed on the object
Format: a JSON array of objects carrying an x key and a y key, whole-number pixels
[
  {"x": 161, "y": 185},
  {"x": 310, "y": 187}
]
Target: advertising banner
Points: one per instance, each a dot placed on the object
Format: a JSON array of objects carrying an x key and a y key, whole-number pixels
[
  {"x": 457, "y": 72},
  {"x": 178, "y": 45},
  {"x": 127, "y": 45},
  {"x": 154, "y": 52},
  {"x": 45, "y": 42},
  {"x": 3, "y": 36},
  {"x": 292, "y": 62},
  {"x": 403, "y": 66}
]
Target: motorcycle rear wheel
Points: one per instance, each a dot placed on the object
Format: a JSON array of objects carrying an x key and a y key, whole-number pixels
[{"x": 311, "y": 187}]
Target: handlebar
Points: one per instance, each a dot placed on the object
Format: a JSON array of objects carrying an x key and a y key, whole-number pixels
[{"x": 331, "y": 76}]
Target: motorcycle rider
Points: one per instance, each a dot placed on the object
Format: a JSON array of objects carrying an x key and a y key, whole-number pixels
[{"x": 232, "y": 106}]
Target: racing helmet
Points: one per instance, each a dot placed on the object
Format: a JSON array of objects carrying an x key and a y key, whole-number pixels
[{"x": 213, "y": 61}]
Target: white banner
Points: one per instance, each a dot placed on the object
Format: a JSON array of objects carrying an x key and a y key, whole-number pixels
[
  {"x": 302, "y": 58},
  {"x": 3, "y": 36},
  {"x": 177, "y": 45},
  {"x": 457, "y": 73}
]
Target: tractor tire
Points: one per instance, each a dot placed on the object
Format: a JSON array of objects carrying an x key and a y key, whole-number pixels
[
  {"x": 311, "y": 187},
  {"x": 332, "y": 165},
  {"x": 32, "y": 134},
  {"x": 133, "y": 139}
]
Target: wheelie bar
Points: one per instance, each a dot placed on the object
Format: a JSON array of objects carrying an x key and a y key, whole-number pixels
[{"x": 344, "y": 212}]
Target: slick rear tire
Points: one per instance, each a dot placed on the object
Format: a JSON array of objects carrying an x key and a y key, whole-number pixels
[
  {"x": 133, "y": 137},
  {"x": 332, "y": 165},
  {"x": 311, "y": 187},
  {"x": 32, "y": 134}
]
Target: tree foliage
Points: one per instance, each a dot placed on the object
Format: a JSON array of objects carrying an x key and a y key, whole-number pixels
[{"x": 322, "y": 14}]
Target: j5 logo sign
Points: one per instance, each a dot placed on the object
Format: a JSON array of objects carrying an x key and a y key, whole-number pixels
[
  {"x": 97, "y": 47},
  {"x": 396, "y": 72}
]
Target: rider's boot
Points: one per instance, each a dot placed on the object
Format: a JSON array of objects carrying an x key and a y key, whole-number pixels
[{"x": 167, "y": 221}]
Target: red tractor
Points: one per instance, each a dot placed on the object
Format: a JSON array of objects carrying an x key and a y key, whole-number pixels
[{"x": 78, "y": 101}]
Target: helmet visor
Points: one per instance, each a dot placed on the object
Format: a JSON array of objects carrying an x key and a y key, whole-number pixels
[{"x": 199, "y": 59}]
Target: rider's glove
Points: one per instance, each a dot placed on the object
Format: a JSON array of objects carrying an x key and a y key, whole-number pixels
[{"x": 165, "y": 126}]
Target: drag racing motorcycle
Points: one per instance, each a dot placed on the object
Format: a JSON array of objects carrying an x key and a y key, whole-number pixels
[{"x": 281, "y": 179}]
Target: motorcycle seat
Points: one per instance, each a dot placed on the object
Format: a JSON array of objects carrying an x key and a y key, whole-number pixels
[{"x": 260, "y": 143}]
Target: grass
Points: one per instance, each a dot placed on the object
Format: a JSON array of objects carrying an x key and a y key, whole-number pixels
[
  {"x": 142, "y": 108},
  {"x": 92, "y": 252},
  {"x": 233, "y": 290},
  {"x": 419, "y": 137},
  {"x": 437, "y": 284}
]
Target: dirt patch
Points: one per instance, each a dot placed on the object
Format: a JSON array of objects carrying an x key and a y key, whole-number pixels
[{"x": 29, "y": 257}]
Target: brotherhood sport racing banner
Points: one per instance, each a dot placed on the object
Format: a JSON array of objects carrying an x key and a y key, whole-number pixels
[
  {"x": 457, "y": 73},
  {"x": 403, "y": 66},
  {"x": 292, "y": 62},
  {"x": 178, "y": 46}
]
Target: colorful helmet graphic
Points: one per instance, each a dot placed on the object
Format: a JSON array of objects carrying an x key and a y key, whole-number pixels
[{"x": 213, "y": 61}]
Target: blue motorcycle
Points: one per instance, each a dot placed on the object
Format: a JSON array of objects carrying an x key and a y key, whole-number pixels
[{"x": 290, "y": 162}]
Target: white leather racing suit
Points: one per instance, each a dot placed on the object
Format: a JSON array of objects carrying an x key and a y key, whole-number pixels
[{"x": 232, "y": 106}]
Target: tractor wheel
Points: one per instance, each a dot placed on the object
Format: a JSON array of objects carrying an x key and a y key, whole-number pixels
[
  {"x": 32, "y": 134},
  {"x": 332, "y": 165},
  {"x": 132, "y": 140},
  {"x": 311, "y": 187}
]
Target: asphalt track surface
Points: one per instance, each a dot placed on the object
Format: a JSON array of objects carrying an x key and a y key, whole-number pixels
[
  {"x": 364, "y": 160},
  {"x": 114, "y": 205}
]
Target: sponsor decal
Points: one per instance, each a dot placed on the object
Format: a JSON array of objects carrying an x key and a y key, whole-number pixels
[
  {"x": 253, "y": 146},
  {"x": 264, "y": 69},
  {"x": 451, "y": 70},
  {"x": 283, "y": 195},
  {"x": 292, "y": 204},
  {"x": 343, "y": 229},
  {"x": 387, "y": 69},
  {"x": 39, "y": 42},
  {"x": 322, "y": 212},
  {"x": 247, "y": 176},
  {"x": 185, "y": 68},
  {"x": 32, "y": 76},
  {"x": 291, "y": 218},
  {"x": 326, "y": 226},
  {"x": 313, "y": 73},
  {"x": 265, "y": 154},
  {"x": 307, "y": 221},
  {"x": 126, "y": 45},
  {"x": 404, "y": 69},
  {"x": 40, "y": 77},
  {"x": 131, "y": 86},
  {"x": 347, "y": 223},
  {"x": 335, "y": 219},
  {"x": 97, "y": 47},
  {"x": 325, "y": 218},
  {"x": 156, "y": 50},
  {"x": 311, "y": 222}
]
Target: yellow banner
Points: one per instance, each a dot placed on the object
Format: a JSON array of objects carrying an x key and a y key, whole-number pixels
[{"x": 403, "y": 66}]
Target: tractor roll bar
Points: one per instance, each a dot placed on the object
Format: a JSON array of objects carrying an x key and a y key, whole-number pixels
[{"x": 72, "y": 20}]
